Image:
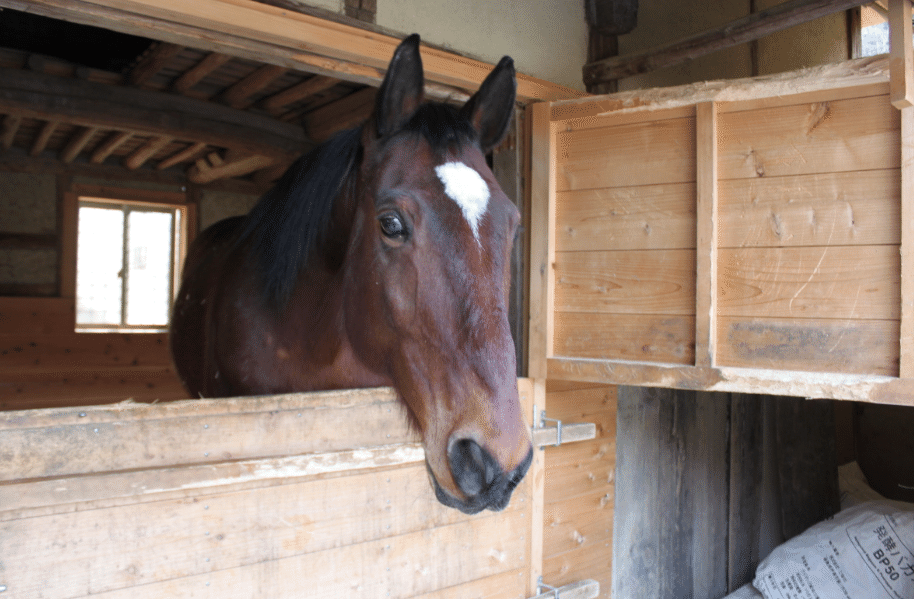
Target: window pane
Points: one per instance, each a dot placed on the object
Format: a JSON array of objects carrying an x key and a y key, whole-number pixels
[
  {"x": 148, "y": 280},
  {"x": 100, "y": 257}
]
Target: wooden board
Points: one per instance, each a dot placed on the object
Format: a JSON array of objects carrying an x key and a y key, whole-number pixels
[
  {"x": 765, "y": 215},
  {"x": 243, "y": 497}
]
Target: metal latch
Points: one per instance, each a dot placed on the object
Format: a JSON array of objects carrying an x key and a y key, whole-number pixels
[{"x": 554, "y": 436}]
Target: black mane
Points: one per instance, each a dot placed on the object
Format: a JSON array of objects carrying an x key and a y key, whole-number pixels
[{"x": 289, "y": 220}]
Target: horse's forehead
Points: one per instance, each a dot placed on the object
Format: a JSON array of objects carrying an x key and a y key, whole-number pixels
[{"x": 466, "y": 187}]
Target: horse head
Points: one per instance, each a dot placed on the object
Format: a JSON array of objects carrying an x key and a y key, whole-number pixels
[{"x": 427, "y": 271}]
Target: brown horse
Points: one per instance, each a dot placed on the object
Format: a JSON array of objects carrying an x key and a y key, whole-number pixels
[{"x": 379, "y": 259}]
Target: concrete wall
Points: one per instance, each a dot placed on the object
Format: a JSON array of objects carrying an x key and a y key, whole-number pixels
[
  {"x": 661, "y": 22},
  {"x": 546, "y": 38}
]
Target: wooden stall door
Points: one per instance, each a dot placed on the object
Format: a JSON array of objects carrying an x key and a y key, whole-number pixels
[
  {"x": 738, "y": 236},
  {"x": 317, "y": 495}
]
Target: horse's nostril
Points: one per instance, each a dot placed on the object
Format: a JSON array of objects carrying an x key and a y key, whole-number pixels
[{"x": 472, "y": 467}]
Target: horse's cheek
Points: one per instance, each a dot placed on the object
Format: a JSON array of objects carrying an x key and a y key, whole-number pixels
[{"x": 402, "y": 288}]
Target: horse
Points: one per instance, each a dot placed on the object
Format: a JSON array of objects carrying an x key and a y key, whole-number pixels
[{"x": 380, "y": 258}]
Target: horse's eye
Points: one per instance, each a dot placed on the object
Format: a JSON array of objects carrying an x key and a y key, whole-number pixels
[{"x": 392, "y": 226}]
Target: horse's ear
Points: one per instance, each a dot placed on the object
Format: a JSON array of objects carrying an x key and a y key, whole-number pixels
[
  {"x": 491, "y": 108},
  {"x": 401, "y": 92}
]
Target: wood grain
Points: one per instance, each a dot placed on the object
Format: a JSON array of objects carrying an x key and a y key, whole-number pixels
[
  {"x": 808, "y": 344},
  {"x": 853, "y": 208},
  {"x": 636, "y": 282},
  {"x": 839, "y": 282},
  {"x": 626, "y": 218},
  {"x": 649, "y": 153},
  {"x": 652, "y": 338},
  {"x": 822, "y": 137}
]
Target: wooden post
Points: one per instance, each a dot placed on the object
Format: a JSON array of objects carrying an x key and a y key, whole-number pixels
[
  {"x": 706, "y": 250},
  {"x": 542, "y": 246},
  {"x": 901, "y": 61},
  {"x": 537, "y": 475},
  {"x": 906, "y": 352}
]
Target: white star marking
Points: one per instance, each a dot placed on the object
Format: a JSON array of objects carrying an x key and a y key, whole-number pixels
[{"x": 466, "y": 187}]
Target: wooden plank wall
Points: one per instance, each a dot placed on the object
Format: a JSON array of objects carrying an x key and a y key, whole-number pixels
[
  {"x": 579, "y": 492},
  {"x": 44, "y": 363},
  {"x": 809, "y": 236},
  {"x": 625, "y": 238},
  {"x": 709, "y": 483},
  {"x": 323, "y": 495}
]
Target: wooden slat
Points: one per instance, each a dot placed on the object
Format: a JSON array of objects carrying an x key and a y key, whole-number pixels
[
  {"x": 852, "y": 208},
  {"x": 237, "y": 168},
  {"x": 44, "y": 136},
  {"x": 309, "y": 87},
  {"x": 107, "y": 147},
  {"x": 194, "y": 75},
  {"x": 146, "y": 113},
  {"x": 857, "y": 282},
  {"x": 824, "y": 137},
  {"x": 707, "y": 234},
  {"x": 631, "y": 282},
  {"x": 653, "y": 338},
  {"x": 28, "y": 241},
  {"x": 907, "y": 243},
  {"x": 511, "y": 584},
  {"x": 10, "y": 127},
  {"x": 152, "y": 62},
  {"x": 306, "y": 529},
  {"x": 34, "y": 316},
  {"x": 352, "y": 110},
  {"x": 146, "y": 151},
  {"x": 535, "y": 401},
  {"x": 77, "y": 143},
  {"x": 237, "y": 95},
  {"x": 630, "y": 218},
  {"x": 653, "y": 153},
  {"x": 25, "y": 354},
  {"x": 901, "y": 54},
  {"x": 808, "y": 344},
  {"x": 542, "y": 244},
  {"x": 572, "y": 432},
  {"x": 188, "y": 153}
]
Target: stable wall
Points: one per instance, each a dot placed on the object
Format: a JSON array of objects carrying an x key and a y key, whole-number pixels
[
  {"x": 547, "y": 39},
  {"x": 46, "y": 363}
]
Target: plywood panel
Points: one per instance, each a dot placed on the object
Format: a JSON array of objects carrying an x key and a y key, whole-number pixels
[
  {"x": 629, "y": 218},
  {"x": 53, "y": 353},
  {"x": 851, "y": 346},
  {"x": 636, "y": 282},
  {"x": 822, "y": 137},
  {"x": 637, "y": 154},
  {"x": 652, "y": 338},
  {"x": 853, "y": 208},
  {"x": 816, "y": 282}
]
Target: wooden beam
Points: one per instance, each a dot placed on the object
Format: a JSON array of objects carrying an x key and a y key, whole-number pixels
[
  {"x": 77, "y": 143},
  {"x": 10, "y": 127},
  {"x": 139, "y": 157},
  {"x": 114, "y": 141},
  {"x": 751, "y": 27},
  {"x": 237, "y": 95},
  {"x": 187, "y": 153},
  {"x": 145, "y": 112},
  {"x": 348, "y": 112},
  {"x": 906, "y": 355},
  {"x": 152, "y": 62},
  {"x": 901, "y": 59},
  {"x": 276, "y": 36},
  {"x": 706, "y": 251},
  {"x": 200, "y": 173},
  {"x": 306, "y": 88},
  {"x": 44, "y": 136},
  {"x": 191, "y": 77},
  {"x": 542, "y": 239}
]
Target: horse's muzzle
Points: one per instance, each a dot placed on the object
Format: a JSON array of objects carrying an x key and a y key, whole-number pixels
[{"x": 479, "y": 478}]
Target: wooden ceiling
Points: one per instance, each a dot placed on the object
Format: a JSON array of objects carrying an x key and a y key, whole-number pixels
[{"x": 174, "y": 109}]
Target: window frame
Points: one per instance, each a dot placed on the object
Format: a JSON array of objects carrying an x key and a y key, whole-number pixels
[{"x": 99, "y": 195}]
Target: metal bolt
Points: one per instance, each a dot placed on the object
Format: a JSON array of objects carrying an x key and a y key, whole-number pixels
[
  {"x": 2, "y": 588},
  {"x": 82, "y": 414},
  {"x": 206, "y": 454},
  {"x": 205, "y": 426}
]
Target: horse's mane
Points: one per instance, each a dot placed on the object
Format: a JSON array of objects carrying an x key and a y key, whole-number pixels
[{"x": 290, "y": 220}]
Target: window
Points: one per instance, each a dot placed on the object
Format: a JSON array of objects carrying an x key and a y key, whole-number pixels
[{"x": 127, "y": 257}]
